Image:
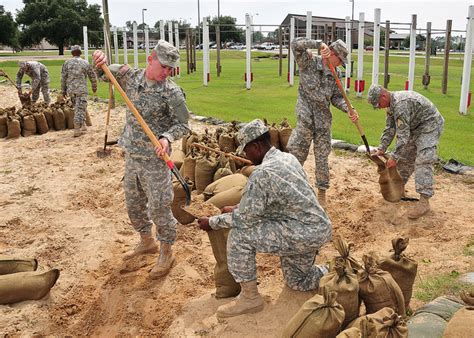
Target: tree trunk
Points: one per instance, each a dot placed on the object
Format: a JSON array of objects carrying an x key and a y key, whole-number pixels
[{"x": 61, "y": 48}]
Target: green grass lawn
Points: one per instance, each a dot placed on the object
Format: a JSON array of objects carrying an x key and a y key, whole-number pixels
[{"x": 226, "y": 98}]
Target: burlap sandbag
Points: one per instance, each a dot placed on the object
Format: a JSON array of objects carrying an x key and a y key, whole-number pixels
[
  {"x": 378, "y": 289},
  {"x": 320, "y": 316},
  {"x": 48, "y": 114},
  {"x": 177, "y": 156},
  {"x": 225, "y": 183},
  {"x": 247, "y": 170},
  {"x": 59, "y": 119},
  {"x": 31, "y": 285},
  {"x": 274, "y": 136},
  {"x": 88, "y": 119},
  {"x": 205, "y": 168},
  {"x": 363, "y": 328},
  {"x": 13, "y": 127},
  {"x": 188, "y": 168},
  {"x": 391, "y": 183},
  {"x": 3, "y": 126},
  {"x": 41, "y": 123},
  {"x": 388, "y": 324},
  {"x": 229, "y": 197},
  {"x": 29, "y": 126},
  {"x": 227, "y": 143},
  {"x": 344, "y": 251},
  {"x": 10, "y": 264},
  {"x": 461, "y": 325},
  {"x": 402, "y": 268},
  {"x": 179, "y": 200},
  {"x": 226, "y": 286},
  {"x": 221, "y": 172},
  {"x": 184, "y": 148},
  {"x": 284, "y": 134},
  {"x": 346, "y": 284},
  {"x": 69, "y": 117},
  {"x": 191, "y": 139}
]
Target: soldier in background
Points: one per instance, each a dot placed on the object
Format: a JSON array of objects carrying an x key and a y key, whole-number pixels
[
  {"x": 317, "y": 91},
  {"x": 74, "y": 84},
  {"x": 147, "y": 180},
  {"x": 418, "y": 125},
  {"x": 40, "y": 77},
  {"x": 278, "y": 214}
]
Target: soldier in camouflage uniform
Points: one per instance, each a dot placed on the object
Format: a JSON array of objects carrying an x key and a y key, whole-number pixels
[
  {"x": 317, "y": 90},
  {"x": 278, "y": 214},
  {"x": 74, "y": 83},
  {"x": 40, "y": 76},
  {"x": 418, "y": 125},
  {"x": 147, "y": 181}
]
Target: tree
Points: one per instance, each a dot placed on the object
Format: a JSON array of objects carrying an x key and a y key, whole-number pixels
[
  {"x": 228, "y": 29},
  {"x": 8, "y": 29},
  {"x": 60, "y": 22}
]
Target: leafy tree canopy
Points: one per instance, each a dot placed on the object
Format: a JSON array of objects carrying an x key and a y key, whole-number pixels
[{"x": 8, "y": 29}]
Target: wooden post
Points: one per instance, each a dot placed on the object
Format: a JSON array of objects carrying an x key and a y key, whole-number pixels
[
  {"x": 334, "y": 35},
  {"x": 426, "y": 76},
  {"x": 386, "y": 75},
  {"x": 194, "y": 51},
  {"x": 280, "y": 56},
  {"x": 188, "y": 61},
  {"x": 447, "y": 47},
  {"x": 218, "y": 42}
]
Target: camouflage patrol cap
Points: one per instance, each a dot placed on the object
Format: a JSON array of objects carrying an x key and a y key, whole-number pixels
[
  {"x": 340, "y": 49},
  {"x": 22, "y": 64},
  {"x": 167, "y": 54},
  {"x": 374, "y": 95},
  {"x": 250, "y": 132},
  {"x": 76, "y": 48}
]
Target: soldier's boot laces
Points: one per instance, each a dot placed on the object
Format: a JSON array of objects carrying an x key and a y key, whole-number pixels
[
  {"x": 420, "y": 209},
  {"x": 147, "y": 245},
  {"x": 164, "y": 263},
  {"x": 248, "y": 301},
  {"x": 322, "y": 197},
  {"x": 77, "y": 130}
]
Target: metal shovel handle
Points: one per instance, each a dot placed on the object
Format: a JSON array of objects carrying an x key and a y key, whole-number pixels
[{"x": 148, "y": 132}]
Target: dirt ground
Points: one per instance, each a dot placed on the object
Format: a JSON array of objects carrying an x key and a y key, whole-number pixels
[{"x": 64, "y": 205}]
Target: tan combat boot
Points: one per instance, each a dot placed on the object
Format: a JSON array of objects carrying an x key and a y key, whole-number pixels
[
  {"x": 420, "y": 209},
  {"x": 165, "y": 261},
  {"x": 77, "y": 130},
  {"x": 147, "y": 245},
  {"x": 322, "y": 197},
  {"x": 248, "y": 301}
]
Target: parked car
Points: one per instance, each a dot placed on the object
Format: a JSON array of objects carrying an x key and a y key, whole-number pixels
[
  {"x": 238, "y": 46},
  {"x": 267, "y": 46}
]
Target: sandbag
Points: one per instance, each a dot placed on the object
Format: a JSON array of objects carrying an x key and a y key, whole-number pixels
[
  {"x": 10, "y": 264},
  {"x": 284, "y": 134},
  {"x": 205, "y": 168},
  {"x": 59, "y": 120},
  {"x": 48, "y": 114},
  {"x": 177, "y": 156},
  {"x": 3, "y": 126},
  {"x": 13, "y": 127},
  {"x": 88, "y": 119},
  {"x": 225, "y": 183},
  {"x": 229, "y": 197},
  {"x": 378, "y": 289},
  {"x": 31, "y": 285},
  {"x": 443, "y": 307},
  {"x": 188, "y": 168},
  {"x": 247, "y": 170},
  {"x": 320, "y": 316},
  {"x": 346, "y": 284},
  {"x": 184, "y": 148},
  {"x": 352, "y": 332},
  {"x": 69, "y": 117},
  {"x": 179, "y": 200},
  {"x": 426, "y": 325},
  {"x": 41, "y": 123},
  {"x": 344, "y": 250},
  {"x": 221, "y": 172},
  {"x": 29, "y": 126},
  {"x": 391, "y": 183},
  {"x": 402, "y": 268},
  {"x": 363, "y": 328},
  {"x": 461, "y": 325},
  {"x": 227, "y": 143},
  {"x": 226, "y": 286},
  {"x": 388, "y": 324},
  {"x": 191, "y": 139},
  {"x": 274, "y": 136}
]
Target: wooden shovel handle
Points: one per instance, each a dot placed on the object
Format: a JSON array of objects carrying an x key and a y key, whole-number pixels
[{"x": 234, "y": 157}]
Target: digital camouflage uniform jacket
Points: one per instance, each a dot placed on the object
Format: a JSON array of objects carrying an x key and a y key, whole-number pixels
[{"x": 74, "y": 75}]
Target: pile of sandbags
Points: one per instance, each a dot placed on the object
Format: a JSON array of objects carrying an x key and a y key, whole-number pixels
[{"x": 279, "y": 135}]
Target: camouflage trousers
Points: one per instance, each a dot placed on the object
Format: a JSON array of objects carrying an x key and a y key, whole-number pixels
[
  {"x": 310, "y": 129},
  {"x": 148, "y": 196},
  {"x": 44, "y": 87},
  {"x": 297, "y": 259},
  {"x": 419, "y": 155},
  {"x": 79, "y": 102}
]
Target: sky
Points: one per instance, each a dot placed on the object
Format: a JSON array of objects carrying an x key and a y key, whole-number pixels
[{"x": 272, "y": 12}]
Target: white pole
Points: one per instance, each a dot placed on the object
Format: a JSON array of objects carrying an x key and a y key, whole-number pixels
[
  {"x": 135, "y": 45},
  {"x": 125, "y": 54},
  {"x": 292, "y": 56},
  {"x": 411, "y": 65},
  {"x": 360, "y": 53},
  {"x": 170, "y": 32},
  {"x": 376, "y": 52},
  {"x": 205, "y": 51},
  {"x": 349, "y": 55},
  {"x": 86, "y": 43},
  {"x": 162, "y": 30},
  {"x": 248, "y": 52},
  {"x": 466, "y": 73},
  {"x": 147, "y": 41},
  {"x": 176, "y": 39},
  {"x": 309, "y": 23},
  {"x": 116, "y": 52}
]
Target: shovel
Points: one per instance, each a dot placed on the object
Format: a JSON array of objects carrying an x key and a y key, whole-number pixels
[
  {"x": 234, "y": 157},
  {"x": 148, "y": 132},
  {"x": 107, "y": 119}
]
